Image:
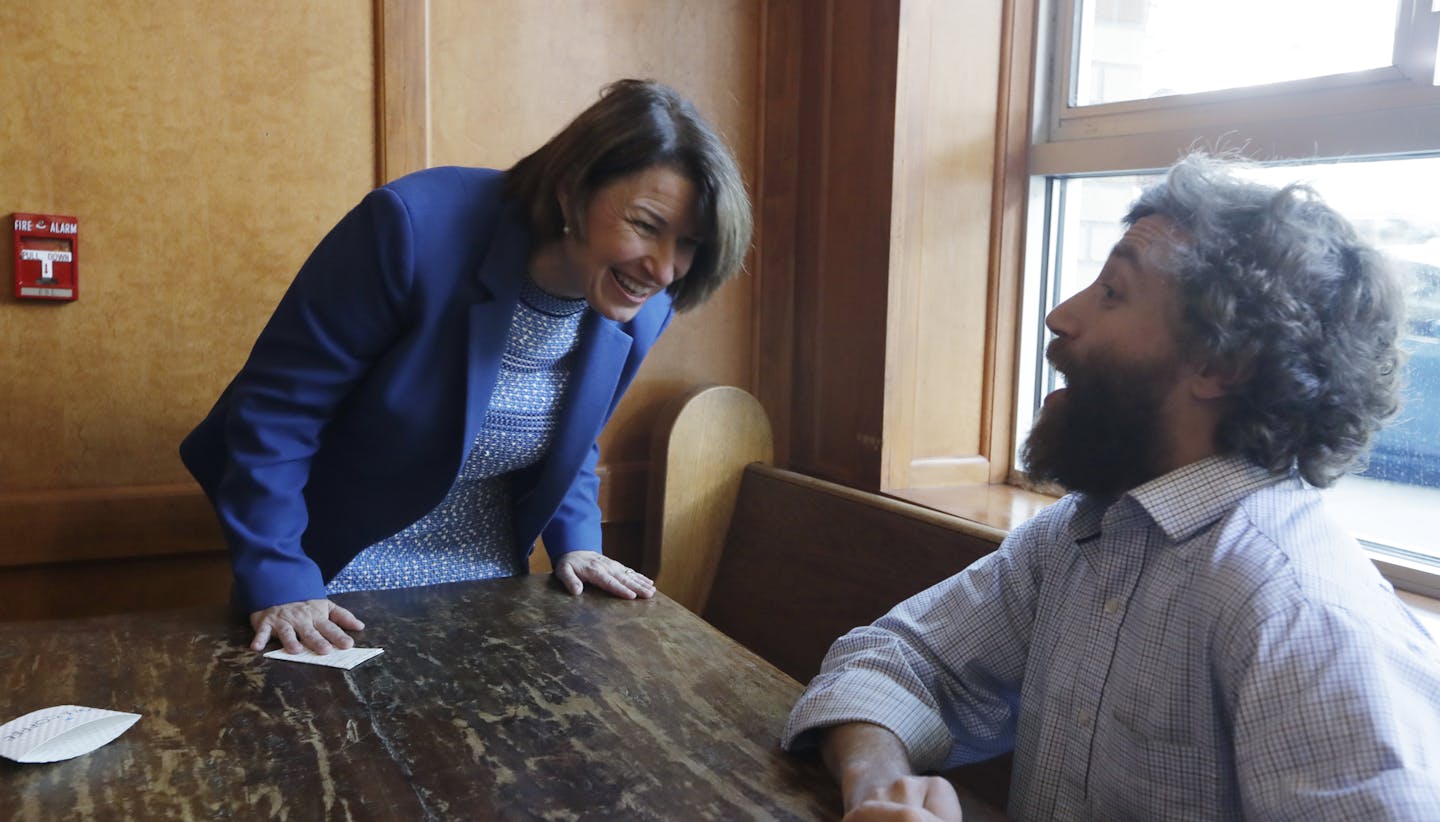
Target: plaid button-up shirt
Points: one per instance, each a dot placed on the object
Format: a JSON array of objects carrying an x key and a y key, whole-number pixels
[{"x": 1211, "y": 645}]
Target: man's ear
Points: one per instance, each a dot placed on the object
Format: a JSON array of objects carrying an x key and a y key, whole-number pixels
[{"x": 1218, "y": 379}]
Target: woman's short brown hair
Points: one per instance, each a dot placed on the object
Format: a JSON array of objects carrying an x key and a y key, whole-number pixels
[{"x": 636, "y": 125}]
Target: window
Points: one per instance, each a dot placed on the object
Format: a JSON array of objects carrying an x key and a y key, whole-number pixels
[
  {"x": 1339, "y": 94},
  {"x": 1143, "y": 50}
]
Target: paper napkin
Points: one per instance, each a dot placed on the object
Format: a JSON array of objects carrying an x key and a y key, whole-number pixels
[
  {"x": 346, "y": 659},
  {"x": 61, "y": 732}
]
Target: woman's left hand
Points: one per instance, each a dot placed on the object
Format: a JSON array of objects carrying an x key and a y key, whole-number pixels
[{"x": 579, "y": 567}]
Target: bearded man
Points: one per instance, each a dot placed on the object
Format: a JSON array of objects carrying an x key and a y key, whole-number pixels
[{"x": 1187, "y": 634}]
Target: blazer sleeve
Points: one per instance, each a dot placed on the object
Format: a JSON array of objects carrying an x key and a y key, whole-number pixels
[
  {"x": 344, "y": 309},
  {"x": 576, "y": 523}
]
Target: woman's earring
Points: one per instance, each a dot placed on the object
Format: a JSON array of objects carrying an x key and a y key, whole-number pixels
[{"x": 565, "y": 229}]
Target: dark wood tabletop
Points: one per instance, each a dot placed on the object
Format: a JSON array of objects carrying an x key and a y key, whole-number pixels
[{"x": 504, "y": 699}]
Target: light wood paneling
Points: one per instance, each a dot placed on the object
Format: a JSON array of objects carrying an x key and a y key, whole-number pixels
[
  {"x": 1020, "y": 27},
  {"x": 940, "y": 239},
  {"x": 205, "y": 147}
]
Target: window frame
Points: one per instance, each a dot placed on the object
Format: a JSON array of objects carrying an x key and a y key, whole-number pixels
[{"x": 1385, "y": 111}]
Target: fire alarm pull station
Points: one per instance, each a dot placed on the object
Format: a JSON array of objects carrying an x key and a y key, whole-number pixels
[{"x": 46, "y": 247}]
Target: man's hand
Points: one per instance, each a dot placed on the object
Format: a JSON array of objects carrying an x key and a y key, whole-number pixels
[
  {"x": 579, "y": 567},
  {"x": 316, "y": 624},
  {"x": 911, "y": 799},
  {"x": 876, "y": 781}
]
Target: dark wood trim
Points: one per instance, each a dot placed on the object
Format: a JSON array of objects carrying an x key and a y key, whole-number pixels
[
  {"x": 782, "y": 45},
  {"x": 88, "y": 524},
  {"x": 847, "y": 123},
  {"x": 811, "y": 208},
  {"x": 820, "y": 558},
  {"x": 54, "y": 526},
  {"x": 402, "y": 101},
  {"x": 73, "y": 590}
]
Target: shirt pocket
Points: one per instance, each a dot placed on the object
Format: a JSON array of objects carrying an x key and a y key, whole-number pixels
[{"x": 1140, "y": 771}]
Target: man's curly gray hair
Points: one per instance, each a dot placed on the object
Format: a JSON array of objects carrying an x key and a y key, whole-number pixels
[{"x": 1278, "y": 289}]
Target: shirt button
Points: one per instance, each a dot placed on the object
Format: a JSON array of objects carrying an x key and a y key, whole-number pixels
[
  {"x": 1082, "y": 719},
  {"x": 1112, "y": 606}
]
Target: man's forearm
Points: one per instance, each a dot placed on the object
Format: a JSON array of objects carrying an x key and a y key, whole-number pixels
[{"x": 863, "y": 757}]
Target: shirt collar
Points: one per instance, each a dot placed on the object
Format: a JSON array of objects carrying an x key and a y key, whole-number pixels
[
  {"x": 1183, "y": 501},
  {"x": 1193, "y": 496}
]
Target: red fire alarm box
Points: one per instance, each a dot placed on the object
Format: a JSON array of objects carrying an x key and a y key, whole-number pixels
[{"x": 46, "y": 251}]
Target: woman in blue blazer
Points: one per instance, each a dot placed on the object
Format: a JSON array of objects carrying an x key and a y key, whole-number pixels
[{"x": 424, "y": 402}]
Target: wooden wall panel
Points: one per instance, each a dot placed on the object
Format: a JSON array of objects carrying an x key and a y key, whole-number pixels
[
  {"x": 205, "y": 147},
  {"x": 74, "y": 590},
  {"x": 844, "y": 130},
  {"x": 940, "y": 244},
  {"x": 1016, "y": 89},
  {"x": 891, "y": 327},
  {"x": 784, "y": 45}
]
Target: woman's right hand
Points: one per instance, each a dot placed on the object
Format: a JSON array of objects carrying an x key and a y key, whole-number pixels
[{"x": 315, "y": 624}]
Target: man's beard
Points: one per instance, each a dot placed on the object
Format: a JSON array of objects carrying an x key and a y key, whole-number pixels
[{"x": 1105, "y": 436}]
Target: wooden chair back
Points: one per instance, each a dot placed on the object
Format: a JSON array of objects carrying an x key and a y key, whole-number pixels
[
  {"x": 699, "y": 451},
  {"x": 806, "y": 560}
]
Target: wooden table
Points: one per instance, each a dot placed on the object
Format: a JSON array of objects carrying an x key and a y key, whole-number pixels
[{"x": 504, "y": 699}]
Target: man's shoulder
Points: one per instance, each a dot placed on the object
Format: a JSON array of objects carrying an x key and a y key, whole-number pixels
[
  {"x": 1288, "y": 522},
  {"x": 1282, "y": 545}
]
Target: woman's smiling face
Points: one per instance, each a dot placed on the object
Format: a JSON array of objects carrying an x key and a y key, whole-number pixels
[{"x": 640, "y": 235}]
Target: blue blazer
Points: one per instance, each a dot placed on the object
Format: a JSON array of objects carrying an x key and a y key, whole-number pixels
[{"x": 353, "y": 414}]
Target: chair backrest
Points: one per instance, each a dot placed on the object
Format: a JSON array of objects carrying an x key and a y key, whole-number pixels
[
  {"x": 806, "y": 560},
  {"x": 699, "y": 450}
]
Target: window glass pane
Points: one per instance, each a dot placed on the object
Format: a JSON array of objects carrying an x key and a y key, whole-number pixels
[
  {"x": 1393, "y": 502},
  {"x": 1138, "y": 49}
]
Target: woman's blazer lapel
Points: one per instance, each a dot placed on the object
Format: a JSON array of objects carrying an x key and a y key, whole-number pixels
[{"x": 600, "y": 358}]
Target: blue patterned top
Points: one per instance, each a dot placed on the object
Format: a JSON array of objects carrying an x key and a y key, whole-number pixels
[{"x": 470, "y": 534}]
